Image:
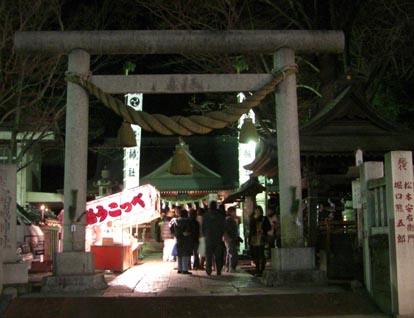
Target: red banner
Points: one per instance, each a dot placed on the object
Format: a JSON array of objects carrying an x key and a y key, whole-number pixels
[
  {"x": 133, "y": 206},
  {"x": 110, "y": 219}
]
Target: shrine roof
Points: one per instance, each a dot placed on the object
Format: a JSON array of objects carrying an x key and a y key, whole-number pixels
[
  {"x": 250, "y": 188},
  {"x": 348, "y": 114},
  {"x": 339, "y": 129},
  {"x": 202, "y": 178}
]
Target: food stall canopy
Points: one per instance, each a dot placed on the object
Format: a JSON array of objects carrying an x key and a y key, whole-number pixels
[{"x": 111, "y": 222}]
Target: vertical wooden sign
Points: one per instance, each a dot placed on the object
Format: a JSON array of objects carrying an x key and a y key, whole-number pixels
[{"x": 400, "y": 207}]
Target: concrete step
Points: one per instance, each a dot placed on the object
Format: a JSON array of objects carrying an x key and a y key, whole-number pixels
[
  {"x": 282, "y": 278},
  {"x": 345, "y": 316},
  {"x": 264, "y": 306}
]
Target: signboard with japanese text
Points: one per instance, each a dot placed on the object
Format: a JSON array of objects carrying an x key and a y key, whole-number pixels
[
  {"x": 403, "y": 207},
  {"x": 400, "y": 207},
  {"x": 108, "y": 217},
  {"x": 132, "y": 155}
]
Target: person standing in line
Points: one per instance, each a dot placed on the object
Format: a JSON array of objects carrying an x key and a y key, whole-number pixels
[
  {"x": 213, "y": 230},
  {"x": 158, "y": 224},
  {"x": 176, "y": 210},
  {"x": 201, "y": 240},
  {"x": 195, "y": 235},
  {"x": 182, "y": 232},
  {"x": 259, "y": 226},
  {"x": 273, "y": 235},
  {"x": 168, "y": 238},
  {"x": 231, "y": 239}
]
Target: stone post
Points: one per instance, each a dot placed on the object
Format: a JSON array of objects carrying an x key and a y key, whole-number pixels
[
  {"x": 293, "y": 262},
  {"x": 76, "y": 150},
  {"x": 74, "y": 269},
  {"x": 11, "y": 272},
  {"x": 369, "y": 170},
  {"x": 400, "y": 208},
  {"x": 288, "y": 154}
]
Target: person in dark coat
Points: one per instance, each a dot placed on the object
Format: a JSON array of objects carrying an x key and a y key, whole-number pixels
[
  {"x": 195, "y": 231},
  {"x": 213, "y": 230},
  {"x": 231, "y": 239},
  {"x": 182, "y": 230},
  {"x": 259, "y": 226},
  {"x": 168, "y": 238}
]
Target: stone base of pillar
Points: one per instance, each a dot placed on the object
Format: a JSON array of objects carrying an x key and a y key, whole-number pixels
[
  {"x": 86, "y": 283},
  {"x": 73, "y": 272},
  {"x": 293, "y": 266},
  {"x": 288, "y": 259},
  {"x": 73, "y": 263},
  {"x": 15, "y": 273},
  {"x": 275, "y": 278}
]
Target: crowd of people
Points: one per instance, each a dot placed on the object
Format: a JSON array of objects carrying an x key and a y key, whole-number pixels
[{"x": 209, "y": 239}]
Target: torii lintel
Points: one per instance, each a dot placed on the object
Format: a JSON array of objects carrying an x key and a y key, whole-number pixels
[{"x": 179, "y": 41}]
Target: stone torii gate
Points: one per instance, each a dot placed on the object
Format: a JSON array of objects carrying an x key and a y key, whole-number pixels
[{"x": 79, "y": 45}]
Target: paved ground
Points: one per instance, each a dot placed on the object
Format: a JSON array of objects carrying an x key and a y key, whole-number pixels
[{"x": 155, "y": 289}]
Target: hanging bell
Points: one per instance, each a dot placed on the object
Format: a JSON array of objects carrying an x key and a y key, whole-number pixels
[
  {"x": 248, "y": 132},
  {"x": 180, "y": 163},
  {"x": 126, "y": 136}
]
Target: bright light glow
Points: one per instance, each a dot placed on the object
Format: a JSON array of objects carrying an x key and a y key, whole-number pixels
[
  {"x": 42, "y": 209},
  {"x": 239, "y": 212},
  {"x": 241, "y": 97},
  {"x": 247, "y": 152},
  {"x": 140, "y": 278}
]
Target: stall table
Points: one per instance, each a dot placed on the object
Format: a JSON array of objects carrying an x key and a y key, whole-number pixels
[{"x": 115, "y": 257}]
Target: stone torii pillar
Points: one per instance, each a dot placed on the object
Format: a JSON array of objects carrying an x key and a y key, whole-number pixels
[
  {"x": 76, "y": 147},
  {"x": 79, "y": 44},
  {"x": 293, "y": 257},
  {"x": 288, "y": 153}
]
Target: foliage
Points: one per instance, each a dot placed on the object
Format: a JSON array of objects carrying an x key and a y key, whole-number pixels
[
  {"x": 378, "y": 54},
  {"x": 31, "y": 94}
]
